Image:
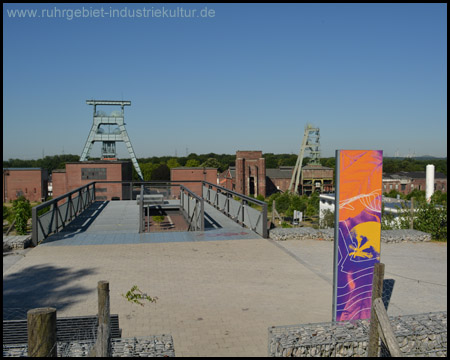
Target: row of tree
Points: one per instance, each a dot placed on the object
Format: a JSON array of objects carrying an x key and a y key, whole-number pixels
[{"x": 224, "y": 161}]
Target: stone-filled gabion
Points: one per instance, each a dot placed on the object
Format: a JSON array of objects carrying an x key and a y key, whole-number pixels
[
  {"x": 417, "y": 335},
  {"x": 308, "y": 233},
  {"x": 15, "y": 242},
  {"x": 150, "y": 346}
]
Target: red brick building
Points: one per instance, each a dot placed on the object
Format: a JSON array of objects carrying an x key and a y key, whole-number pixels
[
  {"x": 181, "y": 174},
  {"x": 405, "y": 182},
  {"x": 250, "y": 173},
  {"x": 29, "y": 182},
  {"x": 78, "y": 174},
  {"x": 250, "y": 176}
]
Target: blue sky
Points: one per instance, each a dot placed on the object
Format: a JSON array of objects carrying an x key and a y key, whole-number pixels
[{"x": 248, "y": 77}]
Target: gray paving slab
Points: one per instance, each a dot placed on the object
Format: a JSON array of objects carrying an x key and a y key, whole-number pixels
[
  {"x": 416, "y": 272},
  {"x": 216, "y": 298}
]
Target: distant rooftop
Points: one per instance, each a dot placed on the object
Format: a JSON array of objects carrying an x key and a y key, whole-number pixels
[
  {"x": 30, "y": 168},
  {"x": 412, "y": 175}
]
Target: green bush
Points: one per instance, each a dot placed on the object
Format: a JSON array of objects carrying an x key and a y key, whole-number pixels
[
  {"x": 328, "y": 219},
  {"x": 284, "y": 224},
  {"x": 433, "y": 220},
  {"x": 22, "y": 212},
  {"x": 5, "y": 212}
]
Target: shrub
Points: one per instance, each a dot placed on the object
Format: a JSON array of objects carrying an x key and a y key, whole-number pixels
[{"x": 22, "y": 212}]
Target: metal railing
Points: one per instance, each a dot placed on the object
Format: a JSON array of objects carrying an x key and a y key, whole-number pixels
[
  {"x": 193, "y": 209},
  {"x": 191, "y": 205},
  {"x": 241, "y": 211},
  {"x": 60, "y": 215}
]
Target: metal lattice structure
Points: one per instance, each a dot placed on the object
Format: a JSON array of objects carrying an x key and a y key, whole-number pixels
[
  {"x": 311, "y": 142},
  {"x": 109, "y": 138}
]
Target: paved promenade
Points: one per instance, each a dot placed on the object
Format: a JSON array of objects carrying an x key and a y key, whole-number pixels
[{"x": 216, "y": 296}]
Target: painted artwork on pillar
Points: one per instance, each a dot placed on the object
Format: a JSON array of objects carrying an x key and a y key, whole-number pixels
[{"x": 359, "y": 231}]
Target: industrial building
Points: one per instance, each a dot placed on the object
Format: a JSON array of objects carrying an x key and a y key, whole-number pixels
[
  {"x": 32, "y": 183},
  {"x": 250, "y": 177},
  {"x": 405, "y": 182},
  {"x": 77, "y": 174},
  {"x": 180, "y": 174}
]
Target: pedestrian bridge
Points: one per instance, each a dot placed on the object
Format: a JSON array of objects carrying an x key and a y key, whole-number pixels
[{"x": 79, "y": 218}]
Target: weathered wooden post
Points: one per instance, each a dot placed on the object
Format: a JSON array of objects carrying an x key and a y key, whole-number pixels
[
  {"x": 385, "y": 329},
  {"x": 273, "y": 212},
  {"x": 41, "y": 324},
  {"x": 103, "y": 332},
  {"x": 101, "y": 347},
  {"x": 377, "y": 292}
]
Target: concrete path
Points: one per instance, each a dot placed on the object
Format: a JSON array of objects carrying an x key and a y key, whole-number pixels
[
  {"x": 216, "y": 298},
  {"x": 218, "y": 291},
  {"x": 415, "y": 273}
]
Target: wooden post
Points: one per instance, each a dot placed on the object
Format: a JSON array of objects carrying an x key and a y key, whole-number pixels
[
  {"x": 273, "y": 212},
  {"x": 385, "y": 329},
  {"x": 377, "y": 292},
  {"x": 103, "y": 319},
  {"x": 41, "y": 324},
  {"x": 101, "y": 347}
]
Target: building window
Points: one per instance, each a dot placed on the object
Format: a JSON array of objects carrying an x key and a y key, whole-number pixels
[
  {"x": 26, "y": 190},
  {"x": 384, "y": 186},
  {"x": 403, "y": 187},
  {"x": 396, "y": 186},
  {"x": 35, "y": 190},
  {"x": 412, "y": 186},
  {"x": 390, "y": 186},
  {"x": 93, "y": 173}
]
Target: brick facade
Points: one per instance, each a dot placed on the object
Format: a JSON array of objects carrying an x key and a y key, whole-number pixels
[
  {"x": 29, "y": 182},
  {"x": 250, "y": 173},
  {"x": 406, "y": 182},
  {"x": 78, "y": 174},
  {"x": 181, "y": 174}
]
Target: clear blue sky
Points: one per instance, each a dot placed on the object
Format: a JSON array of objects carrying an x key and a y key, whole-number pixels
[{"x": 371, "y": 76}]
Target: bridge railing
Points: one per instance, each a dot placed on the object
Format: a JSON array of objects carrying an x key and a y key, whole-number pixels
[
  {"x": 193, "y": 209},
  {"x": 243, "y": 209},
  {"x": 63, "y": 210}
]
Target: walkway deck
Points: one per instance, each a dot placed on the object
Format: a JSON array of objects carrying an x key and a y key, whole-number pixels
[{"x": 117, "y": 222}]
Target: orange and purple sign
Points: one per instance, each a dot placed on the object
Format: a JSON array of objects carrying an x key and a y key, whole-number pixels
[{"x": 357, "y": 231}]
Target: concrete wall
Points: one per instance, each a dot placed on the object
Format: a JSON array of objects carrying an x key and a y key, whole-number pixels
[{"x": 31, "y": 183}]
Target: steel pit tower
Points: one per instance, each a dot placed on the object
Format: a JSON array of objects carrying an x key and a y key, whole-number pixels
[
  {"x": 108, "y": 137},
  {"x": 311, "y": 142}
]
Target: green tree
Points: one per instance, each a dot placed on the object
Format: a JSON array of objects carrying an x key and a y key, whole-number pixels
[
  {"x": 173, "y": 163},
  {"x": 211, "y": 162},
  {"x": 147, "y": 170},
  {"x": 418, "y": 195},
  {"x": 327, "y": 220},
  {"x": 192, "y": 163},
  {"x": 162, "y": 172},
  {"x": 393, "y": 194}
]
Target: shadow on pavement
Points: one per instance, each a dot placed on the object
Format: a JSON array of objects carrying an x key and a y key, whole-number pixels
[
  {"x": 79, "y": 224},
  {"x": 42, "y": 286},
  {"x": 388, "y": 288}
]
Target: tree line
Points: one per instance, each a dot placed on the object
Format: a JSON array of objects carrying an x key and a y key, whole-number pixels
[{"x": 158, "y": 168}]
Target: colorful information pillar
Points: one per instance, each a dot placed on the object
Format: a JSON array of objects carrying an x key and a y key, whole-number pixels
[{"x": 357, "y": 237}]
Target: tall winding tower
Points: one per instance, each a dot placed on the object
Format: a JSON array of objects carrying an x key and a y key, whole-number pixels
[
  {"x": 310, "y": 142},
  {"x": 109, "y": 129}
]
